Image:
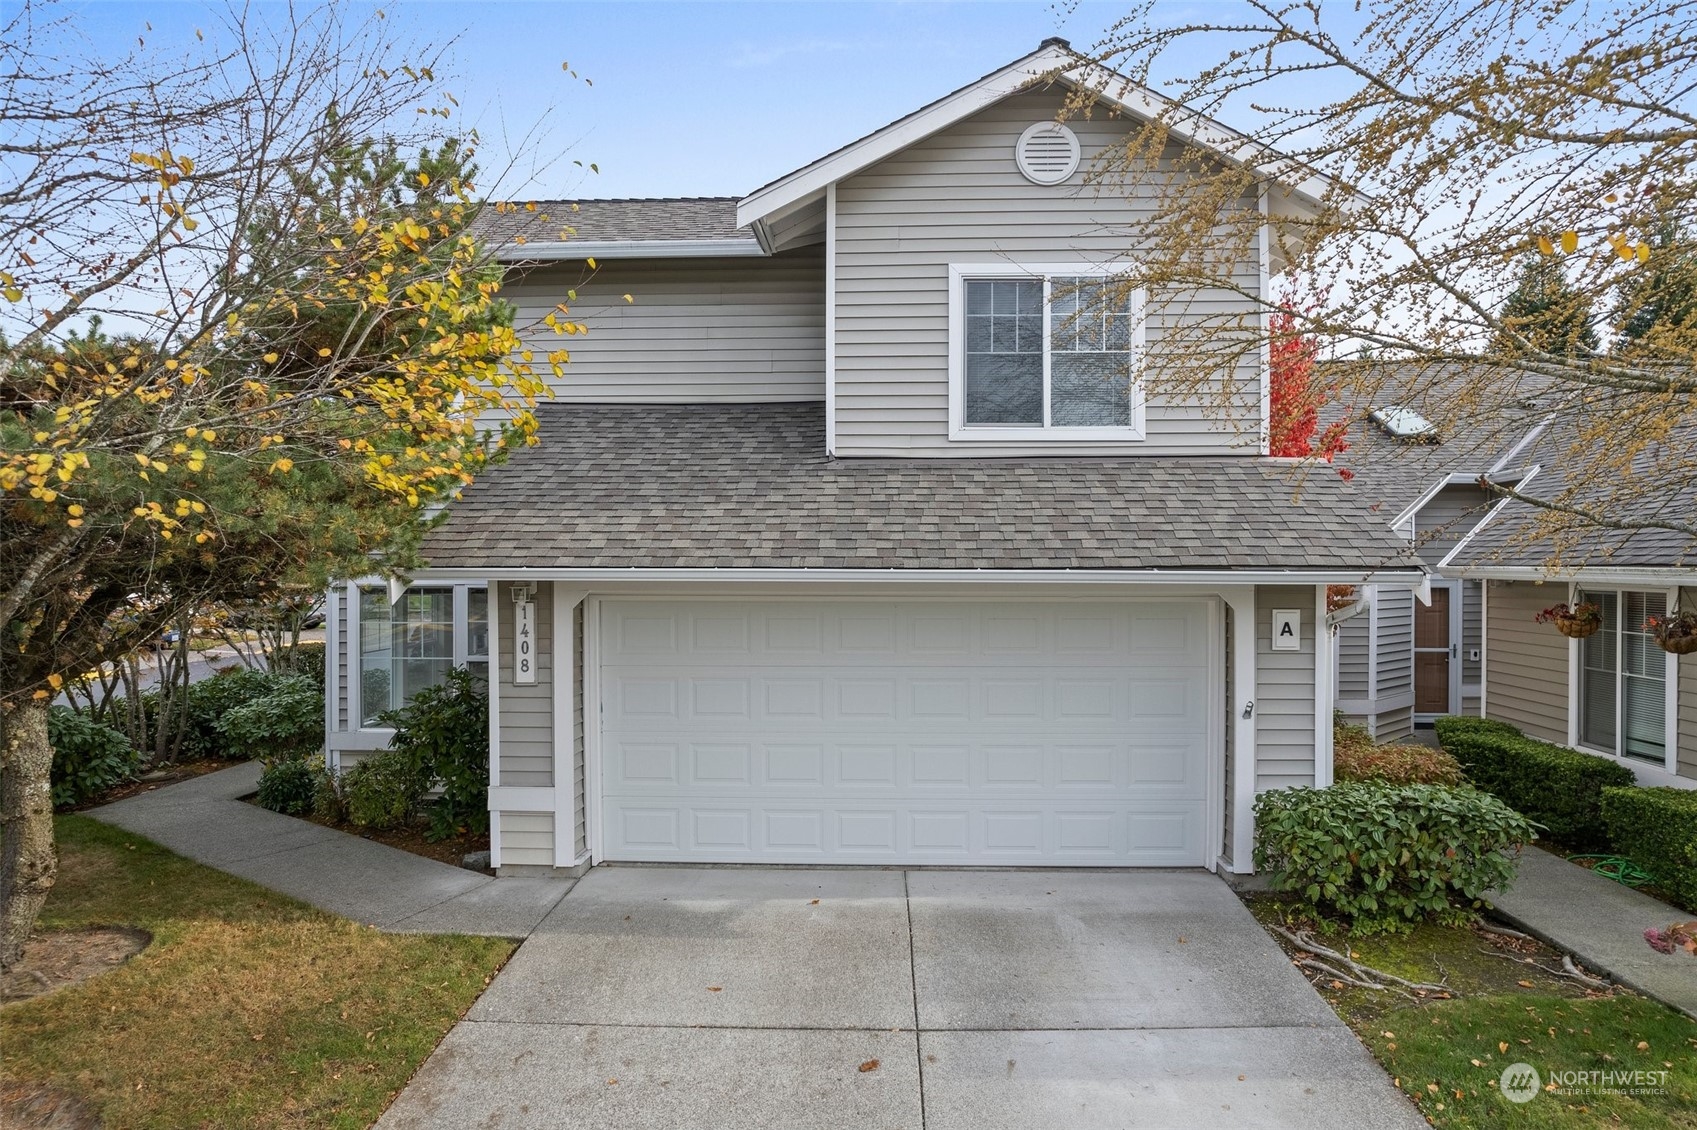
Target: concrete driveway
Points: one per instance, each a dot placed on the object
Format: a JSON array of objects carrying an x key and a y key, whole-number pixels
[{"x": 697, "y": 997}]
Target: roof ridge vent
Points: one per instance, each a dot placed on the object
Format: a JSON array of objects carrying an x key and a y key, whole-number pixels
[{"x": 1047, "y": 153}]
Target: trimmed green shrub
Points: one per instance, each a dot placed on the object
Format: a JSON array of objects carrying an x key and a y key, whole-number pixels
[
  {"x": 1356, "y": 757},
  {"x": 88, "y": 757},
  {"x": 1657, "y": 829},
  {"x": 307, "y": 661},
  {"x": 210, "y": 699},
  {"x": 386, "y": 790},
  {"x": 284, "y": 723},
  {"x": 1560, "y": 788},
  {"x": 445, "y": 730},
  {"x": 288, "y": 786},
  {"x": 1385, "y": 856},
  {"x": 329, "y": 796},
  {"x": 1460, "y": 725}
]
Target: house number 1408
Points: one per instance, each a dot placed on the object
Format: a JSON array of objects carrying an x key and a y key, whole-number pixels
[{"x": 524, "y": 643}]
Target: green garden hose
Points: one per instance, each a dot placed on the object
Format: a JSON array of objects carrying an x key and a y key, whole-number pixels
[{"x": 1618, "y": 868}]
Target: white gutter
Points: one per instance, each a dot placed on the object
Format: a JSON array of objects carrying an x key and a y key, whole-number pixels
[
  {"x": 630, "y": 249},
  {"x": 1348, "y": 612},
  {"x": 1627, "y": 575},
  {"x": 1410, "y": 578}
]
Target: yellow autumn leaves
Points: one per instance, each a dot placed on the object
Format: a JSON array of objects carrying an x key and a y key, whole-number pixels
[{"x": 1625, "y": 249}]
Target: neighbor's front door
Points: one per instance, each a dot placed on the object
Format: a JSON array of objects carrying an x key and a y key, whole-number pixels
[{"x": 1434, "y": 651}]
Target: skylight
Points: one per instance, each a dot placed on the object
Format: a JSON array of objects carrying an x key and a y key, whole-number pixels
[{"x": 1405, "y": 423}]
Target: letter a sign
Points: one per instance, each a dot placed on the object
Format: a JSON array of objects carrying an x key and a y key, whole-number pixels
[
  {"x": 1287, "y": 629},
  {"x": 524, "y": 642}
]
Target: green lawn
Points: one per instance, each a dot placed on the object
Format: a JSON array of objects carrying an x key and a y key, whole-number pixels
[
  {"x": 1447, "y": 1055},
  {"x": 248, "y": 1008}
]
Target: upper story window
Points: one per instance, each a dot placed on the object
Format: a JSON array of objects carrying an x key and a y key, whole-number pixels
[{"x": 1041, "y": 353}]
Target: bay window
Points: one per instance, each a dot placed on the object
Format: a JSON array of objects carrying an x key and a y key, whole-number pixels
[{"x": 412, "y": 644}]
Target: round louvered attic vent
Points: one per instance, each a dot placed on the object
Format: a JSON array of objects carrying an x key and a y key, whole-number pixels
[{"x": 1047, "y": 153}]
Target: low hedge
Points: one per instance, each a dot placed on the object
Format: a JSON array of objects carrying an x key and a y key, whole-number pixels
[
  {"x": 1385, "y": 856},
  {"x": 1559, "y": 788},
  {"x": 1657, "y": 829}
]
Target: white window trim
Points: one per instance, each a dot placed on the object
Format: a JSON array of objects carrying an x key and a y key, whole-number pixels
[
  {"x": 461, "y": 635},
  {"x": 961, "y": 431},
  {"x": 1670, "y": 683}
]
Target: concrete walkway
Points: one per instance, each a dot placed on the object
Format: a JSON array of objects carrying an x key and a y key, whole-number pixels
[
  {"x": 654, "y": 998},
  {"x": 356, "y": 878},
  {"x": 1601, "y": 923}
]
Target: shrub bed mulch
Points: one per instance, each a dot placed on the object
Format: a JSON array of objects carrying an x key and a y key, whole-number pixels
[
  {"x": 156, "y": 779},
  {"x": 452, "y": 850},
  {"x": 1446, "y": 1053}
]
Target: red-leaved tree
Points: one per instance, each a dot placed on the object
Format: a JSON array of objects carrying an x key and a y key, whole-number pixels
[{"x": 1295, "y": 395}]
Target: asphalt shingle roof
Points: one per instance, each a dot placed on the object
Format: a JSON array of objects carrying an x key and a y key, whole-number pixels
[
  {"x": 1524, "y": 536},
  {"x": 750, "y": 486},
  {"x": 1389, "y": 473},
  {"x": 685, "y": 217}
]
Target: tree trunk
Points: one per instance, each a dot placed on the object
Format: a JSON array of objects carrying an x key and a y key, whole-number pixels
[{"x": 27, "y": 860}]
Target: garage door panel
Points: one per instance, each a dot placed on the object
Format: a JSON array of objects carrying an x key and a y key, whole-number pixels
[
  {"x": 1174, "y": 699},
  {"x": 959, "y": 769},
  {"x": 905, "y": 732},
  {"x": 910, "y": 833},
  {"x": 877, "y": 633}
]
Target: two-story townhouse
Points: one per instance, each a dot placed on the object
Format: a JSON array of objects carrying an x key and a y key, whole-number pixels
[
  {"x": 1416, "y": 461},
  {"x": 858, "y": 537},
  {"x": 1617, "y": 692}
]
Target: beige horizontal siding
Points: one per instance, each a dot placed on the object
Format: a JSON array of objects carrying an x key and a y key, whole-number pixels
[
  {"x": 1447, "y": 518},
  {"x": 957, "y": 197},
  {"x": 1284, "y": 693},
  {"x": 1394, "y": 626},
  {"x": 1526, "y": 683},
  {"x": 695, "y": 331},
  {"x": 527, "y": 712},
  {"x": 527, "y": 839}
]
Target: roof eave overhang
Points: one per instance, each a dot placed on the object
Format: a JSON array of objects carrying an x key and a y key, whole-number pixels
[
  {"x": 629, "y": 249},
  {"x": 1410, "y": 577},
  {"x": 1304, "y": 189}
]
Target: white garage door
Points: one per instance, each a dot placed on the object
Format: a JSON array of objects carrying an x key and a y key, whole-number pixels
[{"x": 905, "y": 732}]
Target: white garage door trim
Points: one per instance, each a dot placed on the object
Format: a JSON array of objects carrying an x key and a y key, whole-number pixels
[{"x": 1213, "y": 801}]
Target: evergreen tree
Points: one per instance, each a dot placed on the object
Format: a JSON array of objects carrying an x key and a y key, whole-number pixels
[
  {"x": 1656, "y": 313},
  {"x": 1545, "y": 314}
]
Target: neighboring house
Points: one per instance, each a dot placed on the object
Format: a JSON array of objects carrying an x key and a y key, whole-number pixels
[
  {"x": 1615, "y": 693},
  {"x": 856, "y": 537},
  {"x": 1415, "y": 462}
]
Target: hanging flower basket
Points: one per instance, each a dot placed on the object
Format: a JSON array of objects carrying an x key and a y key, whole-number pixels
[
  {"x": 1675, "y": 632},
  {"x": 1582, "y": 620}
]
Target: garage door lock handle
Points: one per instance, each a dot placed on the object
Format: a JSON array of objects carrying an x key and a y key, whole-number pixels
[{"x": 1249, "y": 709}]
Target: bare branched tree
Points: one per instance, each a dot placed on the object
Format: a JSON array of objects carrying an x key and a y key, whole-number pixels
[{"x": 1449, "y": 144}]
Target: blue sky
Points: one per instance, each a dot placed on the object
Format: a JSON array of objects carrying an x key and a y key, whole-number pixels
[{"x": 687, "y": 98}]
